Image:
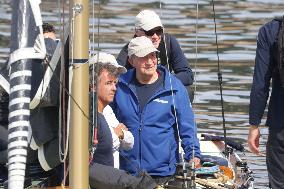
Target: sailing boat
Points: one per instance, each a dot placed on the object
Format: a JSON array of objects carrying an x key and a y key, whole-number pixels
[{"x": 79, "y": 169}]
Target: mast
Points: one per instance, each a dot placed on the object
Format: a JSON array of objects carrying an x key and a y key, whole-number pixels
[{"x": 79, "y": 155}]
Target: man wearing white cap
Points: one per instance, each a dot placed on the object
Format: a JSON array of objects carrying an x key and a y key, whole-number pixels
[
  {"x": 122, "y": 139},
  {"x": 101, "y": 173},
  {"x": 148, "y": 24},
  {"x": 155, "y": 107}
]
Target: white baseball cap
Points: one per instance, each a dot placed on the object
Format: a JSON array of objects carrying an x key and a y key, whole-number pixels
[
  {"x": 140, "y": 46},
  {"x": 147, "y": 20},
  {"x": 107, "y": 58}
]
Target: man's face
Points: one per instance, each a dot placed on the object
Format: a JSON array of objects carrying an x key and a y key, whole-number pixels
[
  {"x": 154, "y": 35},
  {"x": 145, "y": 66},
  {"x": 106, "y": 87}
]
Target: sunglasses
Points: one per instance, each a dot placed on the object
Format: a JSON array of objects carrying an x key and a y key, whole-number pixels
[{"x": 157, "y": 31}]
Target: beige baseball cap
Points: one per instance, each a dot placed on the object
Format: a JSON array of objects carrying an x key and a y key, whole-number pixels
[
  {"x": 140, "y": 46},
  {"x": 107, "y": 58},
  {"x": 147, "y": 20}
]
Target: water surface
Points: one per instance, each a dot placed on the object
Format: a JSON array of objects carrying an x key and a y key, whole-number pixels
[{"x": 237, "y": 24}]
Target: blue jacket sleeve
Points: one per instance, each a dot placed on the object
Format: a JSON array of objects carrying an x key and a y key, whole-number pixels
[
  {"x": 262, "y": 73},
  {"x": 186, "y": 124},
  {"x": 179, "y": 63}
]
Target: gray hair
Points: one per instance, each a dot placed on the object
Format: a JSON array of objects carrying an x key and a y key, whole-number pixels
[{"x": 96, "y": 69}]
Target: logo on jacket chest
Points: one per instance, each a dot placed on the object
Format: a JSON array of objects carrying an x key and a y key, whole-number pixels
[{"x": 161, "y": 101}]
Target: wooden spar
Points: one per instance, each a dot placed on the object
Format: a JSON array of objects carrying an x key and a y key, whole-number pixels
[{"x": 79, "y": 155}]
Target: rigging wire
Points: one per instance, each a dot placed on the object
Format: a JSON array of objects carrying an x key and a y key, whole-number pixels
[
  {"x": 171, "y": 86},
  {"x": 62, "y": 116},
  {"x": 196, "y": 52},
  {"x": 220, "y": 81},
  {"x": 95, "y": 82},
  {"x": 62, "y": 78},
  {"x": 181, "y": 151},
  {"x": 161, "y": 10},
  {"x": 93, "y": 29}
]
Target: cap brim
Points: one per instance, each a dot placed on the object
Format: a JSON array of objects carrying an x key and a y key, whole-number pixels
[
  {"x": 149, "y": 27},
  {"x": 146, "y": 52}
]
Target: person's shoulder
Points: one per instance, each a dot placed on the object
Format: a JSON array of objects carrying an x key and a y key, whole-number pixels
[
  {"x": 126, "y": 77},
  {"x": 267, "y": 33},
  {"x": 170, "y": 37},
  {"x": 174, "y": 80},
  {"x": 278, "y": 19},
  {"x": 271, "y": 25},
  {"x": 107, "y": 110},
  {"x": 102, "y": 122},
  {"x": 101, "y": 118},
  {"x": 50, "y": 45},
  {"x": 125, "y": 47}
]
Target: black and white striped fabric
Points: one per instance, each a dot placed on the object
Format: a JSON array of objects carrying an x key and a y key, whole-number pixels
[{"x": 27, "y": 43}]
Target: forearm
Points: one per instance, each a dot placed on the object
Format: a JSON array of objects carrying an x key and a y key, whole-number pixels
[{"x": 263, "y": 70}]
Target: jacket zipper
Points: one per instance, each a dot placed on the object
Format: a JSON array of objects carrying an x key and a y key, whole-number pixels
[
  {"x": 140, "y": 134},
  {"x": 139, "y": 129},
  {"x": 140, "y": 145}
]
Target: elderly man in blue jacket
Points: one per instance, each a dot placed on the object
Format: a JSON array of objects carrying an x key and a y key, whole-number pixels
[{"x": 155, "y": 106}]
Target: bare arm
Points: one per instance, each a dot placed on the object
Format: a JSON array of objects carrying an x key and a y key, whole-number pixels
[{"x": 253, "y": 139}]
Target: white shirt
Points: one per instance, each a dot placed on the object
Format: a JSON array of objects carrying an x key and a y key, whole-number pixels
[{"x": 125, "y": 144}]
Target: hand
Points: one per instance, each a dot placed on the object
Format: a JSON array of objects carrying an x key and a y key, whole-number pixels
[
  {"x": 253, "y": 139},
  {"x": 196, "y": 162},
  {"x": 122, "y": 126},
  {"x": 119, "y": 130}
]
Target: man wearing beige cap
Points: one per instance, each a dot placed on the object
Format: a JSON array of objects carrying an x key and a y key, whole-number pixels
[
  {"x": 155, "y": 107},
  {"x": 148, "y": 24},
  {"x": 122, "y": 139}
]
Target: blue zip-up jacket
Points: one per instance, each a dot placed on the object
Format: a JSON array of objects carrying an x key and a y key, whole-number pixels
[
  {"x": 265, "y": 70},
  {"x": 177, "y": 61},
  {"x": 154, "y": 128}
]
